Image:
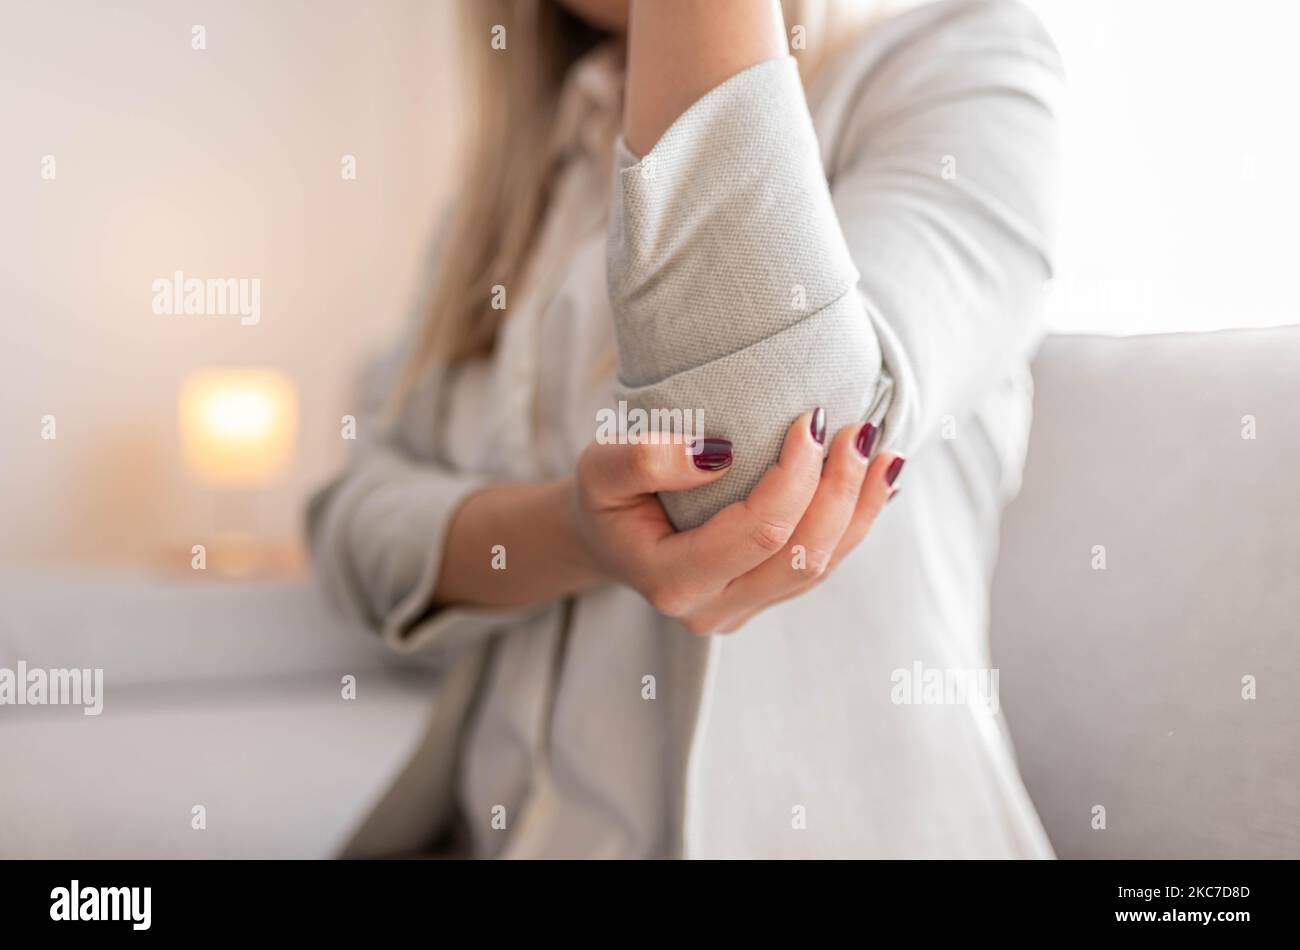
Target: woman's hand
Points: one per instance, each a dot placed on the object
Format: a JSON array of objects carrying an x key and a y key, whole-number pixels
[{"x": 798, "y": 522}]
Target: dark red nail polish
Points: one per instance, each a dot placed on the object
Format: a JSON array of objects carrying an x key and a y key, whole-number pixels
[
  {"x": 867, "y": 439},
  {"x": 713, "y": 455},
  {"x": 892, "y": 495},
  {"x": 818, "y": 426},
  {"x": 891, "y": 473}
]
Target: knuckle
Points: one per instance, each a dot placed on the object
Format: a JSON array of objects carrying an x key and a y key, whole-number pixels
[
  {"x": 671, "y": 600},
  {"x": 818, "y": 562},
  {"x": 771, "y": 536}
]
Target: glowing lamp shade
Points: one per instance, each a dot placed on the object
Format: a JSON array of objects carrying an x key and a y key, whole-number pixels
[{"x": 239, "y": 427}]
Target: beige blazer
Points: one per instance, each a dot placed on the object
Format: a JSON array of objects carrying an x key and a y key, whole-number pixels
[{"x": 876, "y": 246}]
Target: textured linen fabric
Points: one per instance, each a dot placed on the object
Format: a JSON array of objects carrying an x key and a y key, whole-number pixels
[
  {"x": 772, "y": 253},
  {"x": 726, "y": 263}
]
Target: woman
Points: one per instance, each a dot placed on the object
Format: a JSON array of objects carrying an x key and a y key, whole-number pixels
[{"x": 832, "y": 264}]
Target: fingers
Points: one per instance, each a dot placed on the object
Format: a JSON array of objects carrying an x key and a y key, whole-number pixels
[
  {"x": 877, "y": 489},
  {"x": 745, "y": 598},
  {"x": 814, "y": 542},
  {"x": 615, "y": 474},
  {"x": 743, "y": 535}
]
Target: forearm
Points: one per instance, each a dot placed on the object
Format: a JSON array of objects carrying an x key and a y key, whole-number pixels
[
  {"x": 514, "y": 545},
  {"x": 680, "y": 49}
]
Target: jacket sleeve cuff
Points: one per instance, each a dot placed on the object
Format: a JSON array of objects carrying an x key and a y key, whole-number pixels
[{"x": 389, "y": 523}]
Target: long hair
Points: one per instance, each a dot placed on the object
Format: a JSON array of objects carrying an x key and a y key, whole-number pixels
[{"x": 511, "y": 160}]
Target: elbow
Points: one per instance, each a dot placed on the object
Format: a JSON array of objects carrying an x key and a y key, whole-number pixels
[{"x": 831, "y": 359}]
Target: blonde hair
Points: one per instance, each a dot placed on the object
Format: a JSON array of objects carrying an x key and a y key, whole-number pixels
[{"x": 511, "y": 158}]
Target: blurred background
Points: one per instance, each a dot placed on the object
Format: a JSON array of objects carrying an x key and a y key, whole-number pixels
[
  {"x": 220, "y": 162},
  {"x": 308, "y": 145},
  {"x": 227, "y": 161}
]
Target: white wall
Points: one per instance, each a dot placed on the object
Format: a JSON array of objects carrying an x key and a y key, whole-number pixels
[
  {"x": 223, "y": 162},
  {"x": 1181, "y": 201}
]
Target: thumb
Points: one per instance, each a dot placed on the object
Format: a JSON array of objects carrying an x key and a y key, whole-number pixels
[{"x": 618, "y": 472}]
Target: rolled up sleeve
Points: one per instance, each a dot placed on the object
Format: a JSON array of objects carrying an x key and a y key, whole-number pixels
[
  {"x": 748, "y": 288},
  {"x": 732, "y": 287}
]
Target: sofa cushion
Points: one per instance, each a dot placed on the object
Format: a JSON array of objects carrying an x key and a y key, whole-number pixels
[{"x": 1123, "y": 686}]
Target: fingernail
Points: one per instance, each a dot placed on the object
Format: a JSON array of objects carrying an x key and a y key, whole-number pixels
[
  {"x": 891, "y": 473},
  {"x": 818, "y": 426},
  {"x": 867, "y": 439},
  {"x": 713, "y": 455},
  {"x": 892, "y": 495}
]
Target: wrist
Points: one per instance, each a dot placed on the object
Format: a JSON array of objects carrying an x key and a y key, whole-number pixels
[{"x": 561, "y": 501}]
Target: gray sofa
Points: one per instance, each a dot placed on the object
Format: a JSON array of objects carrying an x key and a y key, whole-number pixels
[{"x": 1122, "y": 686}]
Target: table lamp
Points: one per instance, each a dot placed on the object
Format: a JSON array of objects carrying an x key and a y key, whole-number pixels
[{"x": 239, "y": 430}]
